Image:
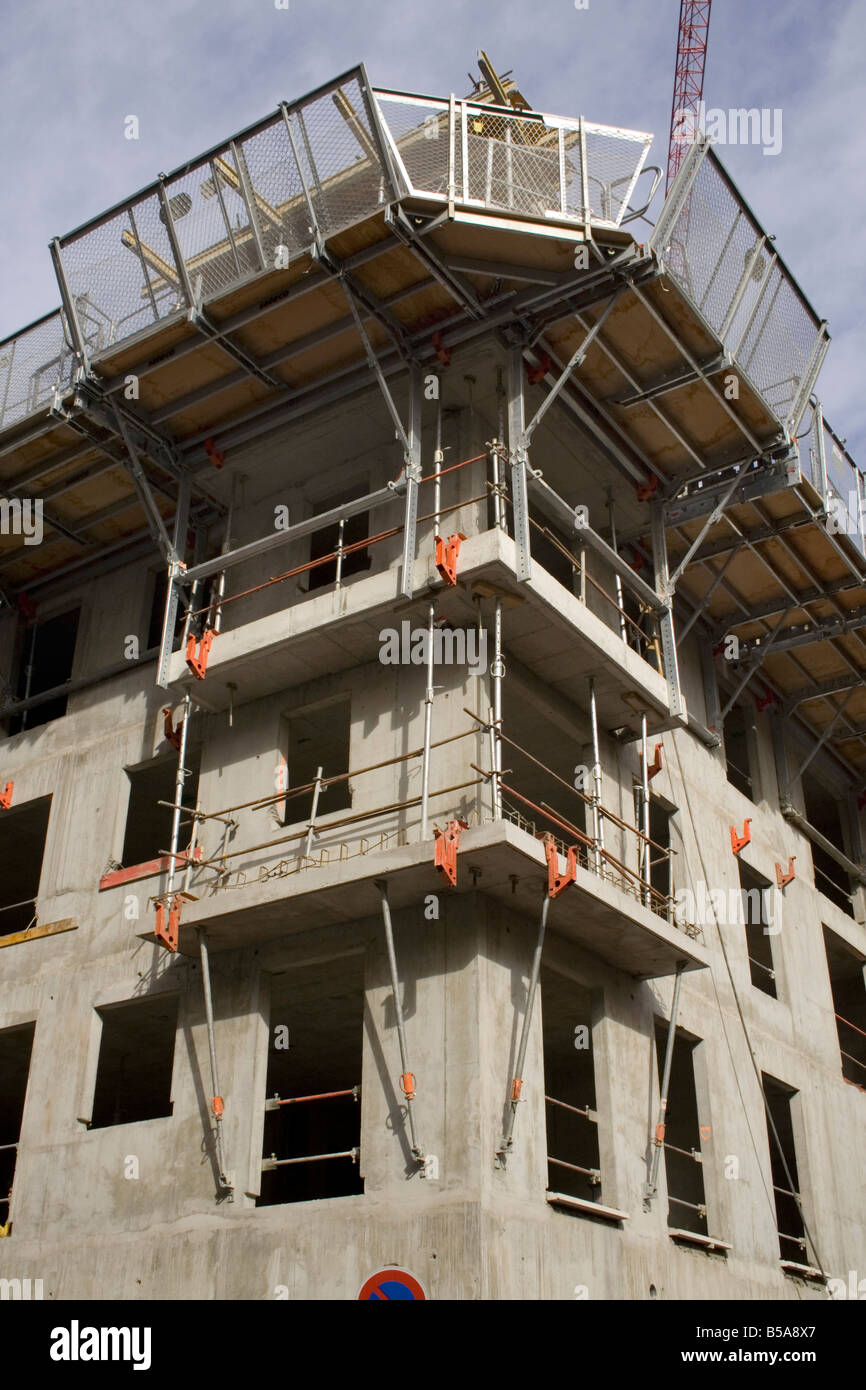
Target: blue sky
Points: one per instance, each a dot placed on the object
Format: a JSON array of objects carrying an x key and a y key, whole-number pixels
[{"x": 195, "y": 71}]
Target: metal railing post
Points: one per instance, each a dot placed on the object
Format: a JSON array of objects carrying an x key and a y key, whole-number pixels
[{"x": 216, "y": 1101}]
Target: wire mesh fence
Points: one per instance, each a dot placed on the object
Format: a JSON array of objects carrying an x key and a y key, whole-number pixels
[
  {"x": 522, "y": 162},
  {"x": 33, "y": 365},
  {"x": 720, "y": 256},
  {"x": 309, "y": 170}
]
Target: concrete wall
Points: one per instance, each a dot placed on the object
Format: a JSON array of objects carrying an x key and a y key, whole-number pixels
[{"x": 481, "y": 1230}]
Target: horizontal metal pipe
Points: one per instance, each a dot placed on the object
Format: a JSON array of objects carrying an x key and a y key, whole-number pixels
[
  {"x": 855, "y": 871},
  {"x": 80, "y": 683},
  {"x": 309, "y": 1158},
  {"x": 380, "y": 498}
]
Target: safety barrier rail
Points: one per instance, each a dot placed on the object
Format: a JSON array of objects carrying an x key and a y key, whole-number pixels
[
  {"x": 713, "y": 246},
  {"x": 275, "y": 1102},
  {"x": 35, "y": 364},
  {"x": 825, "y": 461},
  {"x": 593, "y": 1175},
  {"x": 475, "y": 155}
]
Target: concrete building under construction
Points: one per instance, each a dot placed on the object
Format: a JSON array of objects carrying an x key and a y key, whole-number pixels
[{"x": 434, "y": 636}]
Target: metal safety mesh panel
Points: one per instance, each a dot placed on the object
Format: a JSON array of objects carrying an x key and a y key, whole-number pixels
[
  {"x": 614, "y": 160},
  {"x": 314, "y": 166},
  {"x": 520, "y": 162},
  {"x": 716, "y": 251},
  {"x": 420, "y": 134},
  {"x": 33, "y": 365}
]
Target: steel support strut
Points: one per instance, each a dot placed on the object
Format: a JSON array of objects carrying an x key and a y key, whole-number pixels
[
  {"x": 666, "y": 616},
  {"x": 507, "y": 1140},
  {"x": 517, "y": 447},
  {"x": 217, "y": 1107},
  {"x": 651, "y": 1189},
  {"x": 407, "y": 1080}
]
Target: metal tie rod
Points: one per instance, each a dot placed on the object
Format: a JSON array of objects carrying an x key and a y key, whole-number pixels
[
  {"x": 507, "y": 1139},
  {"x": 408, "y": 1090}
]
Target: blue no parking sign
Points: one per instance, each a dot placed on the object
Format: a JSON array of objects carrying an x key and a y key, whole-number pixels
[{"x": 388, "y": 1285}]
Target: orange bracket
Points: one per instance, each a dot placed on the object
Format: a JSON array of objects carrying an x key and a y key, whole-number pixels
[
  {"x": 783, "y": 879},
  {"x": 516, "y": 1088},
  {"x": 447, "y": 842},
  {"x": 172, "y": 735},
  {"x": 6, "y": 796},
  {"x": 656, "y": 765},
  {"x": 407, "y": 1081},
  {"x": 197, "y": 663},
  {"x": 168, "y": 934},
  {"x": 442, "y": 352},
  {"x": 446, "y": 556},
  {"x": 739, "y": 842},
  {"x": 217, "y": 1105},
  {"x": 646, "y": 490},
  {"x": 556, "y": 882},
  {"x": 213, "y": 453},
  {"x": 537, "y": 373}
]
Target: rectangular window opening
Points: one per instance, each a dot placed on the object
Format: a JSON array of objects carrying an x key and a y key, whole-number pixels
[
  {"x": 786, "y": 1185},
  {"x": 324, "y": 544},
  {"x": 738, "y": 763},
  {"x": 549, "y": 743},
  {"x": 16, "y": 1046},
  {"x": 47, "y": 651},
  {"x": 148, "y": 824},
  {"x": 315, "y": 1050},
  {"x": 22, "y": 846},
  {"x": 845, "y": 968},
  {"x": 682, "y": 1142},
  {"x": 569, "y": 1088},
  {"x": 756, "y": 915},
  {"x": 318, "y": 738},
  {"x": 136, "y": 1059},
  {"x": 822, "y": 811}
]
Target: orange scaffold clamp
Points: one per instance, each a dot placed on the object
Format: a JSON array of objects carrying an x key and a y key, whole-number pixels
[
  {"x": 739, "y": 842},
  {"x": 446, "y": 556},
  {"x": 407, "y": 1081},
  {"x": 197, "y": 661},
  {"x": 166, "y": 932},
  {"x": 653, "y": 768},
  {"x": 171, "y": 735},
  {"x": 784, "y": 877},
  {"x": 557, "y": 882},
  {"x": 447, "y": 842},
  {"x": 6, "y": 796}
]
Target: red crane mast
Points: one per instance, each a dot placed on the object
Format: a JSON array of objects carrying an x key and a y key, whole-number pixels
[{"x": 689, "y": 79}]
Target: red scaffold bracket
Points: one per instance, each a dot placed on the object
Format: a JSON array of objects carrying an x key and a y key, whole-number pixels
[
  {"x": 656, "y": 765},
  {"x": 446, "y": 556},
  {"x": 536, "y": 373},
  {"x": 217, "y": 1105},
  {"x": 167, "y": 932},
  {"x": 407, "y": 1081},
  {"x": 739, "y": 842},
  {"x": 557, "y": 882},
  {"x": 763, "y": 701},
  {"x": 648, "y": 489},
  {"x": 784, "y": 877},
  {"x": 172, "y": 736},
  {"x": 6, "y": 796},
  {"x": 442, "y": 352},
  {"x": 447, "y": 843},
  {"x": 197, "y": 661},
  {"x": 213, "y": 453}
]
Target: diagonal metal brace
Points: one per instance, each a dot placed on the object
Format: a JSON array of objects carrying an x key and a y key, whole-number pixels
[{"x": 145, "y": 496}]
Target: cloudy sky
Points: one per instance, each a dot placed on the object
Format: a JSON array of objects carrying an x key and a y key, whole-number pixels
[{"x": 195, "y": 71}]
